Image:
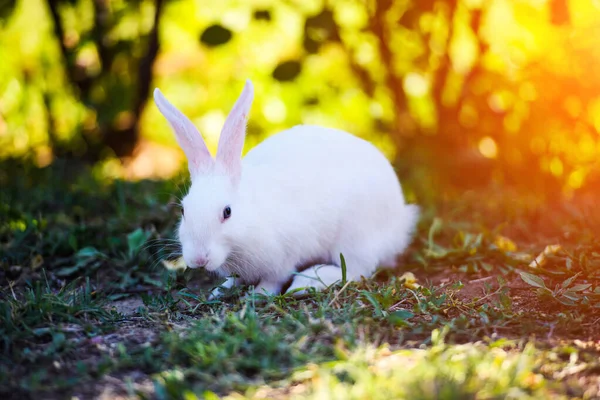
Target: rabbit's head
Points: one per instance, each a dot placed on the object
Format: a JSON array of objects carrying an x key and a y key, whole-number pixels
[{"x": 210, "y": 216}]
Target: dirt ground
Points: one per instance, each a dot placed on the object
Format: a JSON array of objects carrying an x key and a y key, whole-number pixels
[{"x": 136, "y": 331}]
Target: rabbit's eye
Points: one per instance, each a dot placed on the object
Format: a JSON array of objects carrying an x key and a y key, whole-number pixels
[{"x": 227, "y": 212}]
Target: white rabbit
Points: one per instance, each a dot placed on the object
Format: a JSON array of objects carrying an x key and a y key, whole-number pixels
[{"x": 301, "y": 197}]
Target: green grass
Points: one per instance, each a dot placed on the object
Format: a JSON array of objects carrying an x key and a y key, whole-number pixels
[
  {"x": 481, "y": 323},
  {"x": 441, "y": 371},
  {"x": 41, "y": 312}
]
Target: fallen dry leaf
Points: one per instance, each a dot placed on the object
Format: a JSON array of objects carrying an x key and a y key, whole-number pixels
[
  {"x": 542, "y": 258},
  {"x": 37, "y": 262},
  {"x": 505, "y": 244},
  {"x": 410, "y": 281},
  {"x": 174, "y": 265}
]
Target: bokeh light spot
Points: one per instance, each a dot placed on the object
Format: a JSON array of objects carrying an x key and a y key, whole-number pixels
[
  {"x": 556, "y": 166},
  {"x": 576, "y": 179},
  {"x": 488, "y": 147},
  {"x": 210, "y": 126},
  {"x": 416, "y": 85},
  {"x": 275, "y": 111}
]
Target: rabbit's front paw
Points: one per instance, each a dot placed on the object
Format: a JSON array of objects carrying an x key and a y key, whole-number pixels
[{"x": 219, "y": 291}]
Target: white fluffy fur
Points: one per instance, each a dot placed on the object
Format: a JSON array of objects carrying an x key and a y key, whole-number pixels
[{"x": 306, "y": 194}]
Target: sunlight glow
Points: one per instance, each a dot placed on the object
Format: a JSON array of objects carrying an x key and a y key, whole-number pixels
[
  {"x": 488, "y": 147},
  {"x": 210, "y": 128},
  {"x": 416, "y": 85},
  {"x": 463, "y": 50},
  {"x": 275, "y": 110},
  {"x": 556, "y": 166},
  {"x": 518, "y": 71},
  {"x": 576, "y": 179}
]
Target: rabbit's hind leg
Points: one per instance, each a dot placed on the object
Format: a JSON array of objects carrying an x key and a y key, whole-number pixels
[{"x": 318, "y": 276}]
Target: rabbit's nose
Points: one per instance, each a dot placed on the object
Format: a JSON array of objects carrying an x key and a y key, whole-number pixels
[{"x": 201, "y": 261}]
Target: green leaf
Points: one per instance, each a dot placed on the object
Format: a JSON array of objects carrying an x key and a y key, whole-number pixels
[
  {"x": 436, "y": 226},
  {"x": 343, "y": 264},
  {"x": 135, "y": 241},
  {"x": 580, "y": 287},
  {"x": 376, "y": 304},
  {"x": 571, "y": 296},
  {"x": 566, "y": 301},
  {"x": 68, "y": 271},
  {"x": 88, "y": 258},
  {"x": 505, "y": 301},
  {"x": 88, "y": 252},
  {"x": 533, "y": 280},
  {"x": 437, "y": 253},
  {"x": 486, "y": 266},
  {"x": 208, "y": 395},
  {"x": 151, "y": 281},
  {"x": 399, "y": 318},
  {"x": 402, "y": 314}
]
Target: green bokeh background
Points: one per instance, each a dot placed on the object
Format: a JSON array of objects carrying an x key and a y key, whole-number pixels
[{"x": 456, "y": 93}]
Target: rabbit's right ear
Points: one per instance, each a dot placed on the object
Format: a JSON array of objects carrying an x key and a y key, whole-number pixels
[
  {"x": 231, "y": 142},
  {"x": 188, "y": 137}
]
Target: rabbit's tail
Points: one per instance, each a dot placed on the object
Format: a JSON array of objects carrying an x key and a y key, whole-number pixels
[
  {"x": 407, "y": 225},
  {"x": 401, "y": 235}
]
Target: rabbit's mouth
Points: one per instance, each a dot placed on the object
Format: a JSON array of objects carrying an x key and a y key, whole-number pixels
[{"x": 216, "y": 264}]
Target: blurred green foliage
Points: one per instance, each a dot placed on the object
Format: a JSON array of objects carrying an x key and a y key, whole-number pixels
[{"x": 473, "y": 90}]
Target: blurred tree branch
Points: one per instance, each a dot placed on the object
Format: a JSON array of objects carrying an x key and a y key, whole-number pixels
[
  {"x": 393, "y": 83},
  {"x": 116, "y": 118},
  {"x": 101, "y": 27},
  {"x": 114, "y": 139},
  {"x": 78, "y": 79}
]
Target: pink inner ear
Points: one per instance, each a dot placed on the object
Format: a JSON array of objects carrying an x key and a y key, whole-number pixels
[
  {"x": 188, "y": 137},
  {"x": 231, "y": 142}
]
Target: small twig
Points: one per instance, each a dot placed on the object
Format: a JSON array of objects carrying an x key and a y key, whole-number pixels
[
  {"x": 414, "y": 294},
  {"x": 592, "y": 323},
  {"x": 486, "y": 278},
  {"x": 338, "y": 293},
  {"x": 10, "y": 284},
  {"x": 396, "y": 305},
  {"x": 550, "y": 332},
  {"x": 486, "y": 296}
]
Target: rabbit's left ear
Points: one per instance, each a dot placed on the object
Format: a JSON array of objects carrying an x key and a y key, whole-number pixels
[
  {"x": 231, "y": 142},
  {"x": 188, "y": 137}
]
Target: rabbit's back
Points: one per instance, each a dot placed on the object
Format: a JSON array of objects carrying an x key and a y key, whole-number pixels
[
  {"x": 323, "y": 158},
  {"x": 330, "y": 191},
  {"x": 325, "y": 145}
]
